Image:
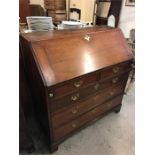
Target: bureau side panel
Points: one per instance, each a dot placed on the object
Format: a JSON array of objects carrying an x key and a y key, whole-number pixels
[{"x": 38, "y": 90}]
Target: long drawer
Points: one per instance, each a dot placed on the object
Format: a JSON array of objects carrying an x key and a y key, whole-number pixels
[
  {"x": 71, "y": 112},
  {"x": 66, "y": 88},
  {"x": 85, "y": 92},
  {"x": 86, "y": 118}
]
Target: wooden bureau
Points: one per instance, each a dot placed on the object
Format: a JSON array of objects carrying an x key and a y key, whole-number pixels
[{"x": 76, "y": 76}]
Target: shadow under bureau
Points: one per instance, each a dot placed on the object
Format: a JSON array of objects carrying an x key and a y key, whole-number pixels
[{"x": 76, "y": 77}]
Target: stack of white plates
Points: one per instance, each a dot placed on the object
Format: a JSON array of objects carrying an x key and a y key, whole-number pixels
[
  {"x": 71, "y": 24},
  {"x": 39, "y": 23}
]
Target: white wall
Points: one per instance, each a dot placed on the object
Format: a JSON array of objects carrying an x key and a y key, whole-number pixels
[
  {"x": 127, "y": 19},
  {"x": 87, "y": 8}
]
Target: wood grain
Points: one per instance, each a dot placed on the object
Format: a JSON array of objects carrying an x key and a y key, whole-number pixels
[
  {"x": 83, "y": 56},
  {"x": 75, "y": 81}
]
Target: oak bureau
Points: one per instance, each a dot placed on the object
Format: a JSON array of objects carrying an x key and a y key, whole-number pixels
[{"x": 76, "y": 76}]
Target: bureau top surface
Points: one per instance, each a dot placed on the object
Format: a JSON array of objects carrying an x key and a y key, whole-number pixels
[
  {"x": 44, "y": 35},
  {"x": 65, "y": 56}
]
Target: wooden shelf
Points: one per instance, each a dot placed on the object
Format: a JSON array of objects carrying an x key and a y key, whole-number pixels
[{"x": 115, "y": 9}]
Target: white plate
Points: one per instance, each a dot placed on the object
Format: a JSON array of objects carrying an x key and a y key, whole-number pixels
[{"x": 73, "y": 23}]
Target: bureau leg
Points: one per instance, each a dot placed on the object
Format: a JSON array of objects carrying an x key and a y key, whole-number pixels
[
  {"x": 54, "y": 148},
  {"x": 118, "y": 108}
]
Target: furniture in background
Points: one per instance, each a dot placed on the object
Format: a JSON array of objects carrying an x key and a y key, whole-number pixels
[
  {"x": 56, "y": 9},
  {"x": 130, "y": 2},
  {"x": 74, "y": 14},
  {"x": 71, "y": 24},
  {"x": 74, "y": 84},
  {"x": 85, "y": 7},
  {"x": 24, "y": 10},
  {"x": 111, "y": 21},
  {"x": 131, "y": 42},
  {"x": 101, "y": 8},
  {"x": 131, "y": 39},
  {"x": 36, "y": 10},
  {"x": 39, "y": 23}
]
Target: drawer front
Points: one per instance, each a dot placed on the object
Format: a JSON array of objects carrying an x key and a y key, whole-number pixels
[
  {"x": 85, "y": 92},
  {"x": 115, "y": 70},
  {"x": 73, "y": 85},
  {"x": 86, "y": 118},
  {"x": 71, "y": 112}
]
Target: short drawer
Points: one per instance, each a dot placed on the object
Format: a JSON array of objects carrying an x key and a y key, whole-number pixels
[
  {"x": 71, "y": 112},
  {"x": 115, "y": 70},
  {"x": 61, "y": 90},
  {"x": 73, "y": 98},
  {"x": 88, "y": 91},
  {"x": 86, "y": 118}
]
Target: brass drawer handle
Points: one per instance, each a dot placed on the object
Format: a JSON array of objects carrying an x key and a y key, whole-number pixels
[
  {"x": 75, "y": 97},
  {"x": 108, "y": 105},
  {"x": 94, "y": 111},
  {"x": 87, "y": 37},
  {"x": 74, "y": 125},
  {"x": 51, "y": 95},
  {"x": 97, "y": 86},
  {"x": 78, "y": 83},
  {"x": 114, "y": 80},
  {"x": 74, "y": 111},
  {"x": 115, "y": 69}
]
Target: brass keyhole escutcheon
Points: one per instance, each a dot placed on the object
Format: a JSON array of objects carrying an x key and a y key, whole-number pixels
[
  {"x": 51, "y": 95},
  {"x": 87, "y": 37}
]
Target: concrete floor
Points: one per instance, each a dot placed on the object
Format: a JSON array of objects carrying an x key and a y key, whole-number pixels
[{"x": 111, "y": 135}]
